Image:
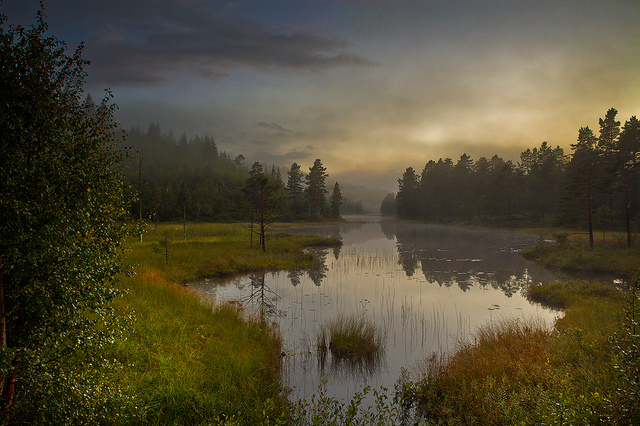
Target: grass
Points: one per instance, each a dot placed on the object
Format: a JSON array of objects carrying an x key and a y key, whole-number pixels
[
  {"x": 572, "y": 253},
  {"x": 517, "y": 372},
  {"x": 185, "y": 360},
  {"x": 213, "y": 250},
  {"x": 351, "y": 338}
]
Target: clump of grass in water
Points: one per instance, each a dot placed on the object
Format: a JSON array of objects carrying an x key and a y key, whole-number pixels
[{"x": 353, "y": 339}]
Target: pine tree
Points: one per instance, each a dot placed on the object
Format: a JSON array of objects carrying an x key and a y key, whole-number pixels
[
  {"x": 316, "y": 189},
  {"x": 336, "y": 201},
  {"x": 294, "y": 186}
]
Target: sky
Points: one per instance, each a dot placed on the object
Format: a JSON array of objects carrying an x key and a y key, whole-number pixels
[{"x": 369, "y": 87}]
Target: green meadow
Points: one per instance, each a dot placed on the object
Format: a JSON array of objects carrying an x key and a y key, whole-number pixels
[{"x": 186, "y": 360}]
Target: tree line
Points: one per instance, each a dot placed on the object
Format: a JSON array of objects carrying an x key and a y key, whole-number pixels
[
  {"x": 596, "y": 186},
  {"x": 189, "y": 178}
]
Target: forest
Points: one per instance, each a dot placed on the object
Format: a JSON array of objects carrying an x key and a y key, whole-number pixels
[
  {"x": 189, "y": 179},
  {"x": 596, "y": 186}
]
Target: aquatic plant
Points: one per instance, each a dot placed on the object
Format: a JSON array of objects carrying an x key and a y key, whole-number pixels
[{"x": 351, "y": 338}]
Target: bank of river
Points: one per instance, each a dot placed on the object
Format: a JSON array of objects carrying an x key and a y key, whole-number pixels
[{"x": 427, "y": 286}]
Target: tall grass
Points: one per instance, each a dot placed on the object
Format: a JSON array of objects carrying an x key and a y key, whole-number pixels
[
  {"x": 518, "y": 372},
  {"x": 572, "y": 253},
  {"x": 352, "y": 338},
  {"x": 186, "y": 360}
]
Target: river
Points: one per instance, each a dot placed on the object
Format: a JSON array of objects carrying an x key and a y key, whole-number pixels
[{"x": 427, "y": 287}]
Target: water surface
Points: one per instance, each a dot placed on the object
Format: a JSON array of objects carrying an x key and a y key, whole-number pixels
[{"x": 428, "y": 287}]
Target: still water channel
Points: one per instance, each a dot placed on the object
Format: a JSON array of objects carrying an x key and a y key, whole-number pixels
[{"x": 428, "y": 287}]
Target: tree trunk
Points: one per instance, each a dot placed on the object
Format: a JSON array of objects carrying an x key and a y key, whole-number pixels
[
  {"x": 589, "y": 216},
  {"x": 140, "y": 198},
  {"x": 3, "y": 314},
  {"x": 627, "y": 208}
]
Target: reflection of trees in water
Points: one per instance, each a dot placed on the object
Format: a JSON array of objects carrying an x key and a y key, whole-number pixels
[
  {"x": 294, "y": 275},
  {"x": 407, "y": 259},
  {"x": 348, "y": 227},
  {"x": 452, "y": 257},
  {"x": 388, "y": 228},
  {"x": 508, "y": 284},
  {"x": 336, "y": 252},
  {"x": 318, "y": 271},
  {"x": 261, "y": 295}
]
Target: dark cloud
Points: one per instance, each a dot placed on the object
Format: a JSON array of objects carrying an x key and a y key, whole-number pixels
[{"x": 146, "y": 43}]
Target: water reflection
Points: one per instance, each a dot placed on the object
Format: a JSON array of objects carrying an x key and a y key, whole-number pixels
[
  {"x": 426, "y": 286},
  {"x": 318, "y": 271}
]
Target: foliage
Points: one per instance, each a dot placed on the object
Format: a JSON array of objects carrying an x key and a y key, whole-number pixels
[
  {"x": 336, "y": 201},
  {"x": 190, "y": 177},
  {"x": 316, "y": 191},
  {"x": 327, "y": 410},
  {"x": 601, "y": 175},
  {"x": 61, "y": 197},
  {"x": 388, "y": 205},
  {"x": 627, "y": 347}
]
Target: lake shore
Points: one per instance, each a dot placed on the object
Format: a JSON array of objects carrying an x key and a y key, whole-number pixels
[
  {"x": 184, "y": 360},
  {"x": 174, "y": 335}
]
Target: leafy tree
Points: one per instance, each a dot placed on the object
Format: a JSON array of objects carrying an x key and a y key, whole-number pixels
[
  {"x": 316, "y": 189},
  {"x": 336, "y": 201},
  {"x": 61, "y": 198}
]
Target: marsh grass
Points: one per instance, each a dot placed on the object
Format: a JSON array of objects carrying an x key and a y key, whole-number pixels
[
  {"x": 352, "y": 340},
  {"x": 560, "y": 294},
  {"x": 185, "y": 359},
  {"x": 214, "y": 250},
  {"x": 525, "y": 372},
  {"x": 572, "y": 253}
]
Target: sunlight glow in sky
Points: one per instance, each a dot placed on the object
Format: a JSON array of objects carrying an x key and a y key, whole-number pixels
[{"x": 370, "y": 87}]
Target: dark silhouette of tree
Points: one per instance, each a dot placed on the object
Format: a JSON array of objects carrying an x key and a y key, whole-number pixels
[
  {"x": 294, "y": 186},
  {"x": 462, "y": 188},
  {"x": 607, "y": 146},
  {"x": 628, "y": 148},
  {"x": 388, "y": 205},
  {"x": 584, "y": 173},
  {"x": 262, "y": 204},
  {"x": 406, "y": 199},
  {"x": 316, "y": 189},
  {"x": 336, "y": 201},
  {"x": 543, "y": 170}
]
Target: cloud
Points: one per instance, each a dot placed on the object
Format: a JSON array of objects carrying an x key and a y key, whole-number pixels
[
  {"x": 271, "y": 126},
  {"x": 145, "y": 44}
]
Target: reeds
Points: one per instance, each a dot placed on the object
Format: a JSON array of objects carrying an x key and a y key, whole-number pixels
[
  {"x": 525, "y": 372},
  {"x": 351, "y": 339}
]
